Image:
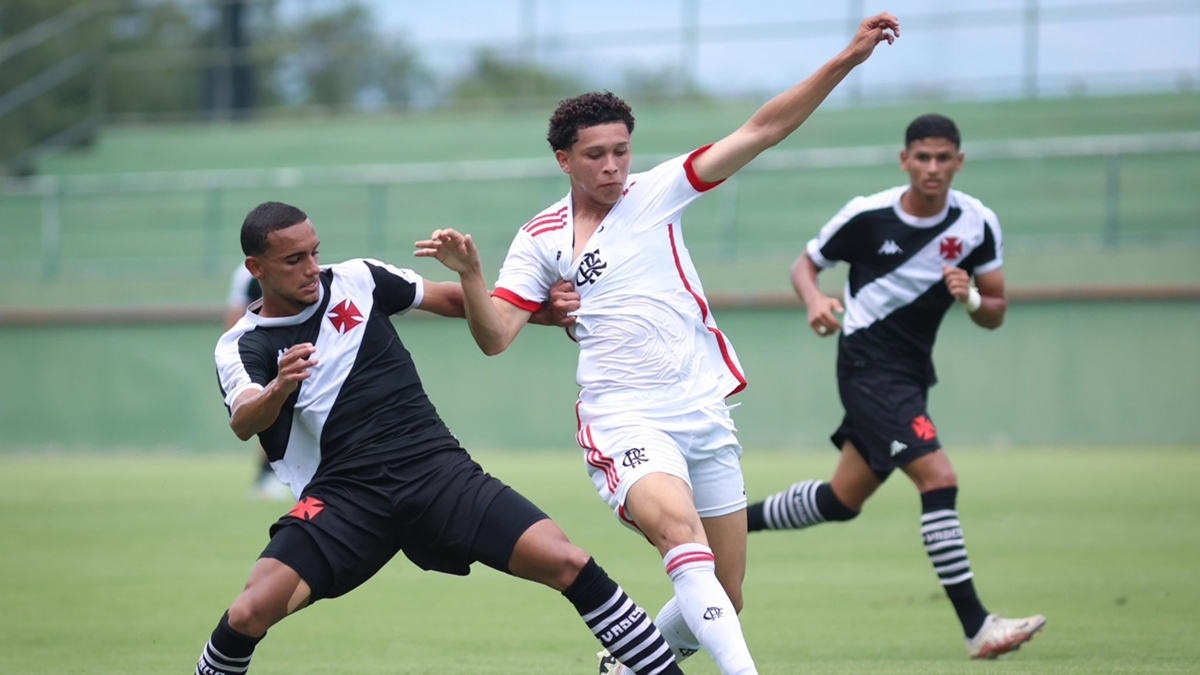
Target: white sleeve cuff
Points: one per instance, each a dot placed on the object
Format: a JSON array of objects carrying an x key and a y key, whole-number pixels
[
  {"x": 238, "y": 391},
  {"x": 814, "y": 252}
]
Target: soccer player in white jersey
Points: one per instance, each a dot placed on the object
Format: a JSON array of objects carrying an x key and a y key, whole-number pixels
[
  {"x": 654, "y": 370},
  {"x": 913, "y": 251}
]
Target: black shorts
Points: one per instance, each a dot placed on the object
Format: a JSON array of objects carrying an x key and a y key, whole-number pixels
[
  {"x": 442, "y": 511},
  {"x": 886, "y": 419}
]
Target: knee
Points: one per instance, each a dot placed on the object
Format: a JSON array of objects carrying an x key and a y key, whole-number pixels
[
  {"x": 938, "y": 480},
  {"x": 251, "y": 616},
  {"x": 570, "y": 562}
]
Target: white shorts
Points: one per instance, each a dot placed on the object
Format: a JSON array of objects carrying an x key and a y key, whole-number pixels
[{"x": 698, "y": 447}]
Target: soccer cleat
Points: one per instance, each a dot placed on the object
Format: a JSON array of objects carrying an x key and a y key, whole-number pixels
[
  {"x": 1000, "y": 636},
  {"x": 609, "y": 665}
]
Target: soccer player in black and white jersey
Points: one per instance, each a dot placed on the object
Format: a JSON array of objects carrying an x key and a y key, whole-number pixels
[
  {"x": 243, "y": 290},
  {"x": 318, "y": 372},
  {"x": 913, "y": 253}
]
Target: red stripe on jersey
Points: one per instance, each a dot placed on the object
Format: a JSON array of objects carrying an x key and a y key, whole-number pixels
[
  {"x": 596, "y": 459},
  {"x": 545, "y": 219},
  {"x": 688, "y": 558},
  {"x": 624, "y": 516},
  {"x": 721, "y": 344},
  {"x": 547, "y": 229},
  {"x": 698, "y": 183},
  {"x": 522, "y": 303}
]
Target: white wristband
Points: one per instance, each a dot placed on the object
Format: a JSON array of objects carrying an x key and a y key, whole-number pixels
[{"x": 973, "y": 301}]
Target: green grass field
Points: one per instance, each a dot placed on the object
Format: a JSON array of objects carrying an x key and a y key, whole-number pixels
[{"x": 121, "y": 564}]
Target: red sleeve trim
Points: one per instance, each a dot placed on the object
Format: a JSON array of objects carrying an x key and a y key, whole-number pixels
[
  {"x": 697, "y": 183},
  {"x": 522, "y": 303}
]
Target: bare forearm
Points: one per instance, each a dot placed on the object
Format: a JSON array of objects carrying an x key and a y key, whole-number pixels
[
  {"x": 991, "y": 312},
  {"x": 804, "y": 279},
  {"x": 783, "y": 114},
  {"x": 258, "y": 412},
  {"x": 486, "y": 323}
]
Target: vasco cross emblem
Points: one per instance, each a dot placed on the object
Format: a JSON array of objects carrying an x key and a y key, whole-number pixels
[{"x": 590, "y": 268}]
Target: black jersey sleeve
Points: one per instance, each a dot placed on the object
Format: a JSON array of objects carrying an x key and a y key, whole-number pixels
[
  {"x": 837, "y": 241},
  {"x": 989, "y": 255},
  {"x": 396, "y": 290}
]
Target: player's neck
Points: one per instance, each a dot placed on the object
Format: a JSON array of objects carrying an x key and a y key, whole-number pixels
[
  {"x": 922, "y": 206},
  {"x": 277, "y": 307},
  {"x": 588, "y": 211}
]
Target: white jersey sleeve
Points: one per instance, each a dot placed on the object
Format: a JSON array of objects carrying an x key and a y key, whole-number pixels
[
  {"x": 670, "y": 187},
  {"x": 989, "y": 256},
  {"x": 239, "y": 287},
  {"x": 527, "y": 273},
  {"x": 239, "y": 370}
]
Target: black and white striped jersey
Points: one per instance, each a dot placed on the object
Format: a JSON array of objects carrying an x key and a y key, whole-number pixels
[
  {"x": 364, "y": 401},
  {"x": 895, "y": 295}
]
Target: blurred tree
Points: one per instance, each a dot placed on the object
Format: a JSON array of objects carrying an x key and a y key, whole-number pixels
[
  {"x": 45, "y": 89},
  {"x": 492, "y": 78}
]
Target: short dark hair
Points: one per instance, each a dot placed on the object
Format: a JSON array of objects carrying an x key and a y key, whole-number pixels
[
  {"x": 265, "y": 219},
  {"x": 932, "y": 126},
  {"x": 583, "y": 111}
]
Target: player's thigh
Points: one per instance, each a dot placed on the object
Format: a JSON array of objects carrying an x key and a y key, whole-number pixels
[
  {"x": 661, "y": 506},
  {"x": 714, "y": 460},
  {"x": 853, "y": 481},
  {"x": 621, "y": 452},
  {"x": 727, "y": 539}
]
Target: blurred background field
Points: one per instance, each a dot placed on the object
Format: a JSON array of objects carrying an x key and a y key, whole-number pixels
[{"x": 134, "y": 137}]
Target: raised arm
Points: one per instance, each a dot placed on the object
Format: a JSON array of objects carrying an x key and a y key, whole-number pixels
[
  {"x": 494, "y": 323},
  {"x": 785, "y": 113}
]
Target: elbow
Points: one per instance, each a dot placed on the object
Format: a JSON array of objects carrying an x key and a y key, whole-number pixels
[
  {"x": 240, "y": 430},
  {"x": 493, "y": 348}
]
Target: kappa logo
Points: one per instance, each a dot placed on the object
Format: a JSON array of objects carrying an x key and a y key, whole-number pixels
[
  {"x": 590, "y": 268},
  {"x": 952, "y": 248},
  {"x": 345, "y": 316},
  {"x": 890, "y": 247},
  {"x": 686, "y": 652},
  {"x": 635, "y": 457},
  {"x": 713, "y": 613},
  {"x": 898, "y": 447}
]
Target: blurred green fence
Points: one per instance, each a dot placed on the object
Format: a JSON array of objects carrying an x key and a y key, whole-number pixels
[{"x": 1089, "y": 190}]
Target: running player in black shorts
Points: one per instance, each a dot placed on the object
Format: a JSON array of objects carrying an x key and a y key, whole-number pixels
[
  {"x": 317, "y": 371},
  {"x": 913, "y": 251}
]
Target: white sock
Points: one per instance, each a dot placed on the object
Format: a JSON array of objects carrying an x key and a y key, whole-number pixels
[
  {"x": 675, "y": 631},
  {"x": 706, "y": 608}
]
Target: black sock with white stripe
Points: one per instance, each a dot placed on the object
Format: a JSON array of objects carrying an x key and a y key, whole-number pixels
[
  {"x": 947, "y": 550},
  {"x": 808, "y": 503},
  {"x": 228, "y": 652},
  {"x": 623, "y": 627}
]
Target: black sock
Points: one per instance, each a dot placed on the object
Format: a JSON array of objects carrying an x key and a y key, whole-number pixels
[
  {"x": 947, "y": 551},
  {"x": 613, "y": 618},
  {"x": 810, "y": 502},
  {"x": 228, "y": 652}
]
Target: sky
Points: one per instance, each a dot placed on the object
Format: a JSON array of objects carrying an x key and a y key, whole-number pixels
[{"x": 964, "y": 50}]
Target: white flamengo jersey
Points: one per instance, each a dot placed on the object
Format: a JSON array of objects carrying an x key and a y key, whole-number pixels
[{"x": 647, "y": 339}]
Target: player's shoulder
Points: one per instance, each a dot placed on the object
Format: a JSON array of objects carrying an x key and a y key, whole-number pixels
[
  {"x": 366, "y": 269},
  {"x": 879, "y": 201},
  {"x": 974, "y": 206},
  {"x": 551, "y": 219},
  {"x": 229, "y": 345}
]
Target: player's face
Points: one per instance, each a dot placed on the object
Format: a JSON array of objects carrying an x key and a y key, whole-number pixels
[
  {"x": 931, "y": 164},
  {"x": 598, "y": 163},
  {"x": 290, "y": 268}
]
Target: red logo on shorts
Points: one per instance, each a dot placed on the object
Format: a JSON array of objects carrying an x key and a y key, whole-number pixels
[
  {"x": 307, "y": 508},
  {"x": 951, "y": 248},
  {"x": 345, "y": 316},
  {"x": 924, "y": 429}
]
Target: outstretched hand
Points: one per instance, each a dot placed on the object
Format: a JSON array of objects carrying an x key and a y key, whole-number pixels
[
  {"x": 454, "y": 250},
  {"x": 872, "y": 31}
]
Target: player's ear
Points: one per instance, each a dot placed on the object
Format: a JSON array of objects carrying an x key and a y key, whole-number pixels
[
  {"x": 562, "y": 157},
  {"x": 255, "y": 266},
  {"x": 904, "y": 159}
]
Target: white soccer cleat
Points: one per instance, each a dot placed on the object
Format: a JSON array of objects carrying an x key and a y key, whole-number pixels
[
  {"x": 609, "y": 665},
  {"x": 1000, "y": 636}
]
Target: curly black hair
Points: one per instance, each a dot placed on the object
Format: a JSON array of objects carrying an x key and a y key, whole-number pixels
[{"x": 583, "y": 111}]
